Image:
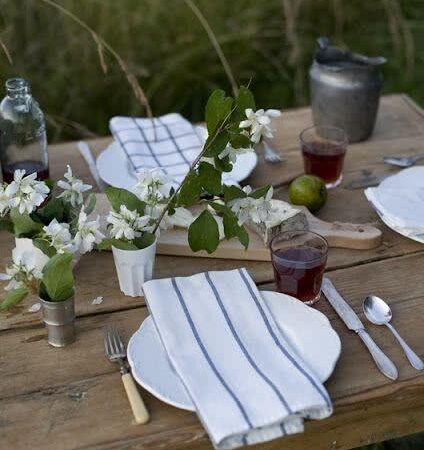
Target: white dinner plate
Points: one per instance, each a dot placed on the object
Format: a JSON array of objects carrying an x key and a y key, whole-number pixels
[
  {"x": 399, "y": 201},
  {"x": 309, "y": 332},
  {"x": 115, "y": 169}
]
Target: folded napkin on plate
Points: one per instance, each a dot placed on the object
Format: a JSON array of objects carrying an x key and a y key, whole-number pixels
[
  {"x": 247, "y": 383},
  {"x": 176, "y": 143},
  {"x": 399, "y": 201}
]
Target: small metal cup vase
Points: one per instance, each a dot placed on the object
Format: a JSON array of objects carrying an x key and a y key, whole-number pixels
[
  {"x": 134, "y": 267},
  {"x": 59, "y": 318}
]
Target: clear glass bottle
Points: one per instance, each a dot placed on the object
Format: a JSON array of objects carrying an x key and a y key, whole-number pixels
[{"x": 23, "y": 141}]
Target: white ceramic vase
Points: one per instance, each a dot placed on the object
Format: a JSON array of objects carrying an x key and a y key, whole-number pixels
[{"x": 134, "y": 267}]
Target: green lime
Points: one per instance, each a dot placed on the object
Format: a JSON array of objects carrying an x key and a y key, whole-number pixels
[{"x": 309, "y": 191}]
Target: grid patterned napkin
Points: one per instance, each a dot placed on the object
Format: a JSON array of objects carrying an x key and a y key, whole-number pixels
[
  {"x": 247, "y": 383},
  {"x": 176, "y": 146}
]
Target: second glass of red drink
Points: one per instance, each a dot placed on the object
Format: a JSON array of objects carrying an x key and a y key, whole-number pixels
[
  {"x": 324, "y": 150},
  {"x": 299, "y": 259}
]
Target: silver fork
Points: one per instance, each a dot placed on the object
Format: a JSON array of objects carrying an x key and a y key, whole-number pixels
[
  {"x": 270, "y": 155},
  {"x": 115, "y": 351}
]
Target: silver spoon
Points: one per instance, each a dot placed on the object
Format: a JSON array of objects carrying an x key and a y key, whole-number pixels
[
  {"x": 402, "y": 161},
  {"x": 378, "y": 312}
]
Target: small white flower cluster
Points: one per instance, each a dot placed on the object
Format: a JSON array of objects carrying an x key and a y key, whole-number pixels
[
  {"x": 153, "y": 188},
  {"x": 257, "y": 210},
  {"x": 24, "y": 268},
  {"x": 24, "y": 193},
  {"x": 73, "y": 188},
  {"x": 127, "y": 224},
  {"x": 258, "y": 123},
  {"x": 87, "y": 235}
]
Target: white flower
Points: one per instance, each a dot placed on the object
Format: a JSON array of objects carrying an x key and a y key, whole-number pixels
[
  {"x": 233, "y": 153},
  {"x": 88, "y": 233},
  {"x": 259, "y": 123},
  {"x": 127, "y": 224},
  {"x": 153, "y": 185},
  {"x": 249, "y": 208},
  {"x": 73, "y": 188},
  {"x": 24, "y": 268},
  {"x": 59, "y": 236},
  {"x": 26, "y": 193},
  {"x": 4, "y": 201}
]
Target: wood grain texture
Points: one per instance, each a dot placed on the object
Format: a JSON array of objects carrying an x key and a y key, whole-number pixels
[
  {"x": 72, "y": 398},
  {"x": 78, "y": 388}
]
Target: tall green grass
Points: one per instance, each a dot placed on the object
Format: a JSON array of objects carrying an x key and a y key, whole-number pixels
[{"x": 270, "y": 42}]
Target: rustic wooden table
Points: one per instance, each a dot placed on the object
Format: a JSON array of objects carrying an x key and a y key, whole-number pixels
[{"x": 73, "y": 398}]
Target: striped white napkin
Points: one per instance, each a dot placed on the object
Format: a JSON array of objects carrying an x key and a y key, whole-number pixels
[
  {"x": 247, "y": 383},
  {"x": 176, "y": 146}
]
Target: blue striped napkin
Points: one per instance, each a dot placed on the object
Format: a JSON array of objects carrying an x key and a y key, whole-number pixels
[
  {"x": 247, "y": 383},
  {"x": 174, "y": 147}
]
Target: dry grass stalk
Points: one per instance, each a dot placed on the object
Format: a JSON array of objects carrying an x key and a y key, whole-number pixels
[
  {"x": 215, "y": 43},
  {"x": 103, "y": 45},
  {"x": 401, "y": 34},
  {"x": 338, "y": 19},
  {"x": 6, "y": 52},
  {"x": 291, "y": 10}
]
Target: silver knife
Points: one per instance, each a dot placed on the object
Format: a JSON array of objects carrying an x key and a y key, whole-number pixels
[
  {"x": 373, "y": 180},
  {"x": 350, "y": 318},
  {"x": 87, "y": 154}
]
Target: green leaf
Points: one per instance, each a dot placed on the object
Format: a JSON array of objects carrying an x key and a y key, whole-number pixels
[
  {"x": 231, "y": 227},
  {"x": 233, "y": 192},
  {"x": 218, "y": 108},
  {"x": 260, "y": 192},
  {"x": 118, "y": 197},
  {"x": 107, "y": 244},
  {"x": 24, "y": 225},
  {"x": 244, "y": 101},
  {"x": 49, "y": 183},
  {"x": 190, "y": 190},
  {"x": 13, "y": 297},
  {"x": 239, "y": 140},
  {"x": 57, "y": 277},
  {"x": 215, "y": 144},
  {"x": 90, "y": 204},
  {"x": 223, "y": 164},
  {"x": 145, "y": 240},
  {"x": 54, "y": 209},
  {"x": 210, "y": 178},
  {"x": 6, "y": 224},
  {"x": 44, "y": 246},
  {"x": 203, "y": 233}
]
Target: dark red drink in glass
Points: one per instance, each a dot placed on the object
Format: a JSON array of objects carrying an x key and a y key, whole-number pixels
[
  {"x": 323, "y": 150},
  {"x": 29, "y": 167},
  {"x": 299, "y": 259}
]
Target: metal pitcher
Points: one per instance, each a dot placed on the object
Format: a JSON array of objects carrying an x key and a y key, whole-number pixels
[{"x": 345, "y": 90}]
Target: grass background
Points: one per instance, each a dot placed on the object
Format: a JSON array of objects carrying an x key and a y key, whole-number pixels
[{"x": 268, "y": 41}]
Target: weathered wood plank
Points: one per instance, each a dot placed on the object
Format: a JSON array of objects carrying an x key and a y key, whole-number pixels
[
  {"x": 27, "y": 352},
  {"x": 72, "y": 398},
  {"x": 76, "y": 388},
  {"x": 73, "y": 417}
]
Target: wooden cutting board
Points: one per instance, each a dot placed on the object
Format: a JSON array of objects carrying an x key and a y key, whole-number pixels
[{"x": 338, "y": 234}]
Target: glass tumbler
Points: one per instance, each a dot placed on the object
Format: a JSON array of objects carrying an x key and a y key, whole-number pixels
[
  {"x": 299, "y": 259},
  {"x": 324, "y": 150}
]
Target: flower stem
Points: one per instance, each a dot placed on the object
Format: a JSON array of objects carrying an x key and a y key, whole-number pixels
[{"x": 192, "y": 167}]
